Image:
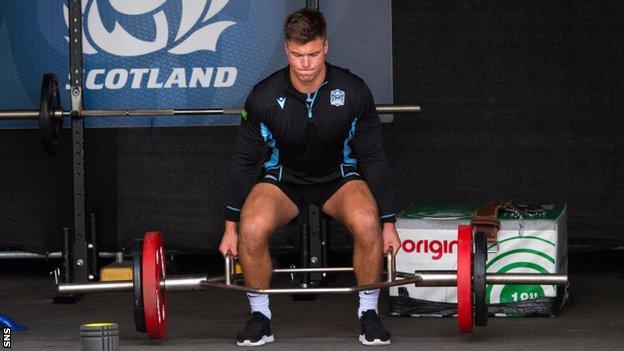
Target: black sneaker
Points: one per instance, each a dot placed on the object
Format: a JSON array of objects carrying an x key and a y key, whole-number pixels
[
  {"x": 372, "y": 331},
  {"x": 257, "y": 332}
]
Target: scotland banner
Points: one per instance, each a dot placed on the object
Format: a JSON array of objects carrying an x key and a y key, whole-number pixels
[{"x": 180, "y": 54}]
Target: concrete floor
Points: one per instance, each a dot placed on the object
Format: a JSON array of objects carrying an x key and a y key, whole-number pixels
[{"x": 208, "y": 320}]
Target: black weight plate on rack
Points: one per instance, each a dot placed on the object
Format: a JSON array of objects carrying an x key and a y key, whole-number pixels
[
  {"x": 479, "y": 260},
  {"x": 137, "y": 259},
  {"x": 50, "y": 126}
]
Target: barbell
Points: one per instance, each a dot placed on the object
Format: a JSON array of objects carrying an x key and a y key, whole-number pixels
[
  {"x": 150, "y": 281},
  {"x": 51, "y": 113}
]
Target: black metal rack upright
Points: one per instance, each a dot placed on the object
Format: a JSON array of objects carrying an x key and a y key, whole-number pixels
[{"x": 75, "y": 261}]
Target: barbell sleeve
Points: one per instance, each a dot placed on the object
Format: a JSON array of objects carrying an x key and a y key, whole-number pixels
[
  {"x": 526, "y": 279},
  {"x": 449, "y": 278},
  {"x": 95, "y": 287},
  {"x": 173, "y": 283},
  {"x": 19, "y": 114},
  {"x": 391, "y": 108}
]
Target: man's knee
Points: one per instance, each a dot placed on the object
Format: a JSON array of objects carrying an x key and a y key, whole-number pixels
[
  {"x": 365, "y": 226},
  {"x": 254, "y": 233}
]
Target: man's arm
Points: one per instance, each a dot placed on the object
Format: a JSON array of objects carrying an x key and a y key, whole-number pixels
[
  {"x": 243, "y": 173},
  {"x": 244, "y": 167},
  {"x": 368, "y": 147}
]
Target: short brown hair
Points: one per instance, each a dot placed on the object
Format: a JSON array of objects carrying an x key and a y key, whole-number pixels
[{"x": 305, "y": 25}]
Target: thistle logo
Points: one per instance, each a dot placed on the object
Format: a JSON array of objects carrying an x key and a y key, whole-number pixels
[
  {"x": 120, "y": 42},
  {"x": 153, "y": 24}
]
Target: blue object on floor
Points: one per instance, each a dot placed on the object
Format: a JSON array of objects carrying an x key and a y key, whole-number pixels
[{"x": 7, "y": 322}]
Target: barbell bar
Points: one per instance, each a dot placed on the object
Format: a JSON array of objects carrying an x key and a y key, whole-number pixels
[
  {"x": 426, "y": 279},
  {"x": 32, "y": 114}
]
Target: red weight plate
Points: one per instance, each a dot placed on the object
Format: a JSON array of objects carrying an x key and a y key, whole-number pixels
[
  {"x": 154, "y": 297},
  {"x": 464, "y": 279}
]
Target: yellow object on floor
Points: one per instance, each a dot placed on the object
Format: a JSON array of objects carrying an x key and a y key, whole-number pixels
[{"x": 116, "y": 271}]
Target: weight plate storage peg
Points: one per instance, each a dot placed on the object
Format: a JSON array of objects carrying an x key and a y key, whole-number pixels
[
  {"x": 139, "y": 312},
  {"x": 50, "y": 126},
  {"x": 464, "y": 279},
  {"x": 154, "y": 296}
]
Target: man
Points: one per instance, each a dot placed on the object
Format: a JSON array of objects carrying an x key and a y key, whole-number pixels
[{"x": 315, "y": 128}]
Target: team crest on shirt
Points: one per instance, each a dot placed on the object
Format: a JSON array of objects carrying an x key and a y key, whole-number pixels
[{"x": 337, "y": 97}]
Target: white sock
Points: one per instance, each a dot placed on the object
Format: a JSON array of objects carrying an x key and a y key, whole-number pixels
[
  {"x": 368, "y": 301},
  {"x": 259, "y": 303}
]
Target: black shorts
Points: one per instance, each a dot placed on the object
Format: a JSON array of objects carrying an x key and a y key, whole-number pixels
[{"x": 317, "y": 194}]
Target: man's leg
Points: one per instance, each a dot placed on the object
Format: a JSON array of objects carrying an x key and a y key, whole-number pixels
[
  {"x": 265, "y": 210},
  {"x": 353, "y": 204}
]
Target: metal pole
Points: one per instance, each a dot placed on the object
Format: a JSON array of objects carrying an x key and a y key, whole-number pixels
[
  {"x": 16, "y": 255},
  {"x": 236, "y": 111},
  {"x": 341, "y": 290},
  {"x": 79, "y": 263},
  {"x": 313, "y": 270},
  {"x": 95, "y": 287},
  {"x": 449, "y": 278},
  {"x": 196, "y": 282},
  {"x": 315, "y": 245},
  {"x": 526, "y": 278},
  {"x": 390, "y": 266},
  {"x": 92, "y": 248},
  {"x": 232, "y": 270},
  {"x": 387, "y": 109},
  {"x": 19, "y": 114},
  {"x": 304, "y": 254},
  {"x": 66, "y": 254},
  {"x": 188, "y": 282},
  {"x": 173, "y": 283},
  {"x": 228, "y": 269}
]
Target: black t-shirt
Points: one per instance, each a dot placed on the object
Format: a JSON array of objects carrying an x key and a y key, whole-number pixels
[{"x": 310, "y": 138}]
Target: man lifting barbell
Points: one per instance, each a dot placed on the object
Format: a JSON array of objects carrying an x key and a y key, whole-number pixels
[{"x": 315, "y": 128}]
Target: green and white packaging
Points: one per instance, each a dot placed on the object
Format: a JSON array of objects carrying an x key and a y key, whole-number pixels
[{"x": 527, "y": 245}]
